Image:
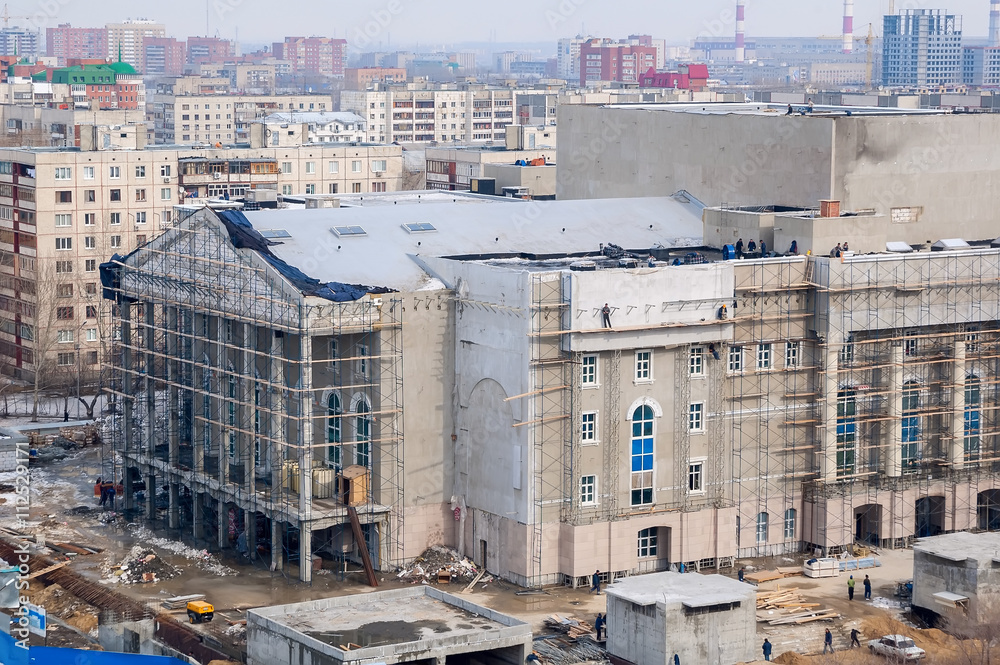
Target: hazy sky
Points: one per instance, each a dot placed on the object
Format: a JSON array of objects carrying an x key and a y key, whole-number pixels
[{"x": 439, "y": 22}]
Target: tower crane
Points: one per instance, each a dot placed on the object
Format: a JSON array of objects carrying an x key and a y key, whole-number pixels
[
  {"x": 7, "y": 16},
  {"x": 870, "y": 48}
]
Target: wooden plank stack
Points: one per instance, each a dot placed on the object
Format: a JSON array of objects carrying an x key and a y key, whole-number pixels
[
  {"x": 785, "y": 606},
  {"x": 570, "y": 626}
]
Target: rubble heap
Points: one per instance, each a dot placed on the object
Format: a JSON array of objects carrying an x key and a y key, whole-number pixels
[
  {"x": 141, "y": 566},
  {"x": 436, "y": 559}
]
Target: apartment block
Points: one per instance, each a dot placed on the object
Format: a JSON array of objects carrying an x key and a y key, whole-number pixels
[
  {"x": 22, "y": 42},
  {"x": 981, "y": 66},
  {"x": 163, "y": 56},
  {"x": 362, "y": 78},
  {"x": 422, "y": 116},
  {"x": 203, "y": 50},
  {"x": 922, "y": 47},
  {"x": 604, "y": 60},
  {"x": 289, "y": 129},
  {"x": 126, "y": 39},
  {"x": 65, "y": 42},
  {"x": 314, "y": 55}
]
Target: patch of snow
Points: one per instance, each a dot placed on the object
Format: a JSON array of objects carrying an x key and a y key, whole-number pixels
[{"x": 202, "y": 558}]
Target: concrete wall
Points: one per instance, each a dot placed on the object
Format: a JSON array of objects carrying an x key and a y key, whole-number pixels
[
  {"x": 941, "y": 166},
  {"x": 540, "y": 180},
  {"x": 864, "y": 233}
]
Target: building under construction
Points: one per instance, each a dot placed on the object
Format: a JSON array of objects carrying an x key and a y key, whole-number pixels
[{"x": 576, "y": 389}]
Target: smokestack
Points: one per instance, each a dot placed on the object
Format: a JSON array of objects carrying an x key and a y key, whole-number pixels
[
  {"x": 994, "y": 22},
  {"x": 849, "y": 25},
  {"x": 740, "y": 36}
]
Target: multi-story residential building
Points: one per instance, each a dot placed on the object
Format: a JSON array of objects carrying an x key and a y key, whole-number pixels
[
  {"x": 732, "y": 408},
  {"x": 205, "y": 50},
  {"x": 163, "y": 56},
  {"x": 687, "y": 77},
  {"x": 43, "y": 126},
  {"x": 362, "y": 78},
  {"x": 922, "y": 47},
  {"x": 114, "y": 86},
  {"x": 453, "y": 168},
  {"x": 65, "y": 42},
  {"x": 247, "y": 78},
  {"x": 568, "y": 57},
  {"x": 981, "y": 66},
  {"x": 604, "y": 60},
  {"x": 314, "y": 55},
  {"x": 287, "y": 129},
  {"x": 63, "y": 212},
  {"x": 21, "y": 42},
  {"x": 412, "y": 115},
  {"x": 215, "y": 118},
  {"x": 125, "y": 40}
]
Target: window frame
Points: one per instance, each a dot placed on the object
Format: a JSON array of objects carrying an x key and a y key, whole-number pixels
[
  {"x": 589, "y": 368},
  {"x": 647, "y": 543},
  {"x": 586, "y": 486},
  {"x": 696, "y": 361},
  {"x": 765, "y": 356},
  {"x": 588, "y": 428},
  {"x": 643, "y": 365},
  {"x": 735, "y": 359},
  {"x": 696, "y": 417},
  {"x": 696, "y": 470},
  {"x": 793, "y": 354}
]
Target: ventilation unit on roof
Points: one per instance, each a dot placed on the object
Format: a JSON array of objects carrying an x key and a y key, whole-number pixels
[
  {"x": 898, "y": 247},
  {"x": 348, "y": 231},
  {"x": 419, "y": 227},
  {"x": 949, "y": 244},
  {"x": 270, "y": 234}
]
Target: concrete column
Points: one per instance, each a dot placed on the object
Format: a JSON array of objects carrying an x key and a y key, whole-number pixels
[
  {"x": 276, "y": 420},
  {"x": 197, "y": 521},
  {"x": 305, "y": 440},
  {"x": 305, "y": 551},
  {"x": 828, "y": 435},
  {"x": 128, "y": 501},
  {"x": 174, "y": 512},
  {"x": 222, "y": 517},
  {"x": 277, "y": 554},
  {"x": 893, "y": 449},
  {"x": 250, "y": 528},
  {"x": 149, "y": 342},
  {"x": 956, "y": 449},
  {"x": 250, "y": 385},
  {"x": 151, "y": 495},
  {"x": 173, "y": 393}
]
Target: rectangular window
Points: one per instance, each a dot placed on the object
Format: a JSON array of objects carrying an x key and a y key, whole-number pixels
[
  {"x": 311, "y": 188},
  {"x": 286, "y": 190},
  {"x": 140, "y": 171},
  {"x": 792, "y": 354},
  {"x": 90, "y": 265},
  {"x": 647, "y": 544},
  {"x": 356, "y": 188},
  {"x": 589, "y": 371},
  {"x": 334, "y": 167},
  {"x": 332, "y": 188},
  {"x": 643, "y": 365},
  {"x": 91, "y": 334},
  {"x": 789, "y": 524},
  {"x": 64, "y": 196},
  {"x": 91, "y": 357},
  {"x": 64, "y": 336},
  {"x": 356, "y": 166},
  {"x": 641, "y": 456},
  {"x": 90, "y": 195},
  {"x": 66, "y": 359},
  {"x": 64, "y": 173},
  {"x": 64, "y": 313},
  {"x": 64, "y": 266},
  {"x": 363, "y": 366},
  {"x": 696, "y": 477},
  {"x": 90, "y": 242},
  {"x": 588, "y": 490},
  {"x": 91, "y": 311},
  {"x": 140, "y": 195},
  {"x": 696, "y": 417},
  {"x": 140, "y": 217},
  {"x": 847, "y": 352},
  {"x": 910, "y": 343},
  {"x": 588, "y": 427},
  {"x": 116, "y": 195},
  {"x": 64, "y": 221},
  {"x": 696, "y": 361},
  {"x": 286, "y": 167},
  {"x": 165, "y": 170},
  {"x": 90, "y": 288},
  {"x": 64, "y": 290},
  {"x": 89, "y": 218},
  {"x": 165, "y": 194},
  {"x": 88, "y": 172},
  {"x": 116, "y": 218},
  {"x": 310, "y": 168},
  {"x": 115, "y": 172},
  {"x": 764, "y": 356},
  {"x": 736, "y": 359},
  {"x": 64, "y": 243},
  {"x": 116, "y": 242},
  {"x": 378, "y": 165}
]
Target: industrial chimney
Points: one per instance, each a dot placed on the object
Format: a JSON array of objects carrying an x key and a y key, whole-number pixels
[
  {"x": 849, "y": 25},
  {"x": 994, "y": 22},
  {"x": 740, "y": 36}
]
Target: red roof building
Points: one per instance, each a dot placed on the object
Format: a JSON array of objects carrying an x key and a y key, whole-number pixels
[
  {"x": 603, "y": 60},
  {"x": 687, "y": 77}
]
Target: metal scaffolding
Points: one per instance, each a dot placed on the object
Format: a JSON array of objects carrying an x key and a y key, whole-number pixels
[{"x": 262, "y": 412}]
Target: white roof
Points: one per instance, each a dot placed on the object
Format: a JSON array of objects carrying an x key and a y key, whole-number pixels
[
  {"x": 385, "y": 253},
  {"x": 314, "y": 117},
  {"x": 983, "y": 548},
  {"x": 689, "y": 589}
]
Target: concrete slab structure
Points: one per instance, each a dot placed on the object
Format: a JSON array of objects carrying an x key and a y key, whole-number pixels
[
  {"x": 707, "y": 619},
  {"x": 415, "y": 625},
  {"x": 936, "y": 167},
  {"x": 957, "y": 574}
]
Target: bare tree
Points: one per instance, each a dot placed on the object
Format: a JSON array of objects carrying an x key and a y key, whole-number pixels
[{"x": 978, "y": 638}]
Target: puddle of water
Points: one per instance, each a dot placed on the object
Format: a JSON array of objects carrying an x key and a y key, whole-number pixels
[{"x": 381, "y": 632}]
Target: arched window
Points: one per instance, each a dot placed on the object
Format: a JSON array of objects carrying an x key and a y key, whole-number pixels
[
  {"x": 790, "y": 524},
  {"x": 847, "y": 432},
  {"x": 642, "y": 455},
  {"x": 973, "y": 400},
  {"x": 911, "y": 424},
  {"x": 333, "y": 423},
  {"x": 762, "y": 528},
  {"x": 363, "y": 434}
]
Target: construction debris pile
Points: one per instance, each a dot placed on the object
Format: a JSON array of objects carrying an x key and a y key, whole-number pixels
[
  {"x": 437, "y": 563},
  {"x": 569, "y": 626},
  {"x": 202, "y": 558},
  {"x": 558, "y": 650},
  {"x": 61, "y": 603},
  {"x": 141, "y": 566},
  {"x": 787, "y": 606}
]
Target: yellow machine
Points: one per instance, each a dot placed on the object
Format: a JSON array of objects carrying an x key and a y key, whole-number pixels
[{"x": 200, "y": 611}]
